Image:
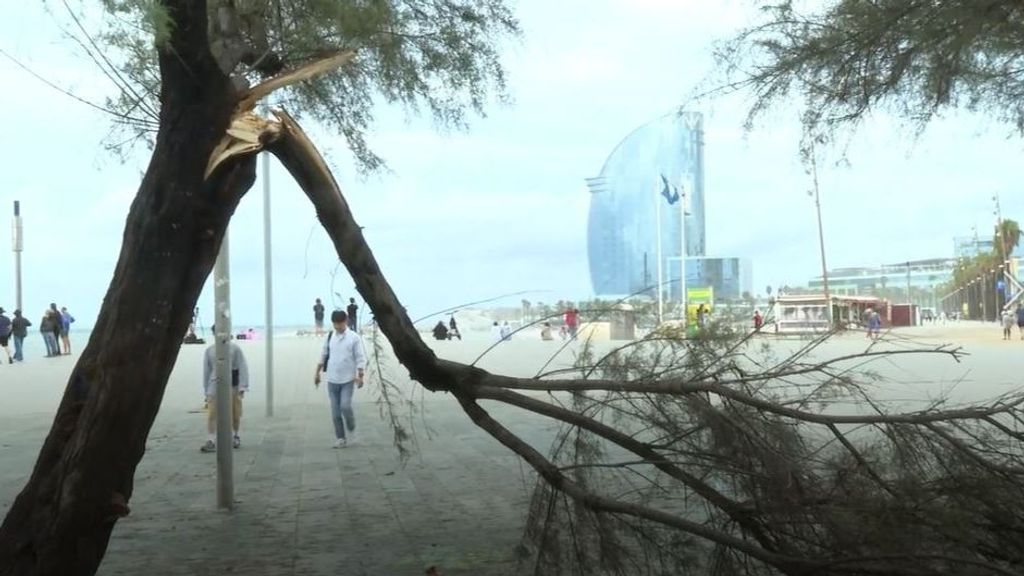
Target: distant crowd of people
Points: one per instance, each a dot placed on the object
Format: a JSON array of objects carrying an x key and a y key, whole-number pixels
[{"x": 55, "y": 327}]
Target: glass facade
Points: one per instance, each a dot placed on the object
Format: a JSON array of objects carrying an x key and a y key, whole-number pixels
[
  {"x": 729, "y": 277},
  {"x": 968, "y": 247},
  {"x": 916, "y": 281},
  {"x": 656, "y": 174}
]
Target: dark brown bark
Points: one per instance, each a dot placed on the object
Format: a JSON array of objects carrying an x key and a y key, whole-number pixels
[{"x": 61, "y": 522}]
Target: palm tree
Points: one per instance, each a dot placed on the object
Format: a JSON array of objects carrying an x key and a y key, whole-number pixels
[{"x": 1009, "y": 234}]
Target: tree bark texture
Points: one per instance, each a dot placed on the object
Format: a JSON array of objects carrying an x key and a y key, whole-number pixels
[{"x": 61, "y": 521}]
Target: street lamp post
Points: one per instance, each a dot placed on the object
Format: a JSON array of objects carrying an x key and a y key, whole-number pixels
[
  {"x": 983, "y": 289},
  {"x": 821, "y": 237},
  {"x": 17, "y": 245},
  {"x": 222, "y": 351},
  {"x": 268, "y": 289},
  {"x": 908, "y": 283}
]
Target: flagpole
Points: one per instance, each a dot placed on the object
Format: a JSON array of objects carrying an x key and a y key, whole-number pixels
[
  {"x": 682, "y": 248},
  {"x": 657, "y": 219}
]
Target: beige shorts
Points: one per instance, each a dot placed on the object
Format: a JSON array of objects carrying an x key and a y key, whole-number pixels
[{"x": 236, "y": 411}]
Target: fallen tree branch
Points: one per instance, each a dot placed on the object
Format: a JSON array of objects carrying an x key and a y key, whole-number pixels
[{"x": 750, "y": 425}]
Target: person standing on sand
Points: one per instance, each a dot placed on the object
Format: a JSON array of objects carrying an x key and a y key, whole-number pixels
[
  {"x": 19, "y": 328},
  {"x": 343, "y": 362},
  {"x": 5, "y": 334},
  {"x": 48, "y": 328},
  {"x": 239, "y": 386},
  {"x": 318, "y": 317},
  {"x": 352, "y": 311},
  {"x": 702, "y": 316},
  {"x": 65, "y": 328},
  {"x": 572, "y": 320},
  {"x": 545, "y": 332}
]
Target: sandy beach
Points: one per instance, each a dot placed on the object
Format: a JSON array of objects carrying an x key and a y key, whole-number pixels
[{"x": 459, "y": 502}]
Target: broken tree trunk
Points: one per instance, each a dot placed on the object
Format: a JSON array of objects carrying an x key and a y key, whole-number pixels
[{"x": 61, "y": 521}]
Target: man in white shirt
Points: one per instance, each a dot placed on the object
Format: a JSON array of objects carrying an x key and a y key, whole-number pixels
[
  {"x": 239, "y": 386},
  {"x": 343, "y": 361}
]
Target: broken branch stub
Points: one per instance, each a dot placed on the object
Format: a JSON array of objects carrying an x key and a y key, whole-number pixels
[{"x": 248, "y": 131}]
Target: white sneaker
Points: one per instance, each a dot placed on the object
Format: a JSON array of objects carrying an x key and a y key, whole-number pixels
[{"x": 339, "y": 443}]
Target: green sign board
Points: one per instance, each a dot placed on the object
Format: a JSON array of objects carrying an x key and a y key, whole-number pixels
[{"x": 704, "y": 294}]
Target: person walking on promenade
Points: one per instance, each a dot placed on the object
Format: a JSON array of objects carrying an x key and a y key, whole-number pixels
[
  {"x": 1008, "y": 320},
  {"x": 48, "y": 328},
  {"x": 65, "y": 328},
  {"x": 343, "y": 362},
  {"x": 352, "y": 311},
  {"x": 19, "y": 328},
  {"x": 874, "y": 324},
  {"x": 318, "y": 317},
  {"x": 1020, "y": 321},
  {"x": 5, "y": 334},
  {"x": 239, "y": 386}
]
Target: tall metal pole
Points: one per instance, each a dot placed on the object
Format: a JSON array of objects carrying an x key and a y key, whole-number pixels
[
  {"x": 821, "y": 237},
  {"x": 1011, "y": 284},
  {"x": 222, "y": 335},
  {"x": 683, "y": 187},
  {"x": 983, "y": 288},
  {"x": 657, "y": 220},
  {"x": 908, "y": 283},
  {"x": 17, "y": 245},
  {"x": 268, "y": 289}
]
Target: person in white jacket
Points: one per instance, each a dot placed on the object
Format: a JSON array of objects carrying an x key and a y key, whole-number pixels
[
  {"x": 239, "y": 386},
  {"x": 343, "y": 364}
]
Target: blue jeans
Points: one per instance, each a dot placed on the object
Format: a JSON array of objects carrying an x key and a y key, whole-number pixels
[
  {"x": 341, "y": 407},
  {"x": 51, "y": 343},
  {"x": 19, "y": 345}
]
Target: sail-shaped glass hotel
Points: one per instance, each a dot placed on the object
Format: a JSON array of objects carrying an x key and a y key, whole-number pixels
[{"x": 656, "y": 173}]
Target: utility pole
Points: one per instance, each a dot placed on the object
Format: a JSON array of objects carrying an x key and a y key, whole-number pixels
[
  {"x": 1013, "y": 289},
  {"x": 658, "y": 255},
  {"x": 17, "y": 245},
  {"x": 908, "y": 283},
  {"x": 821, "y": 236},
  {"x": 222, "y": 350},
  {"x": 683, "y": 190},
  {"x": 268, "y": 289}
]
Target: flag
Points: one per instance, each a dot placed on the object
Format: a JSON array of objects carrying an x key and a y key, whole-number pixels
[{"x": 671, "y": 194}]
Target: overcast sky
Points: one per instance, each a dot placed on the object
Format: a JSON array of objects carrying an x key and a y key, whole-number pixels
[{"x": 502, "y": 207}]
